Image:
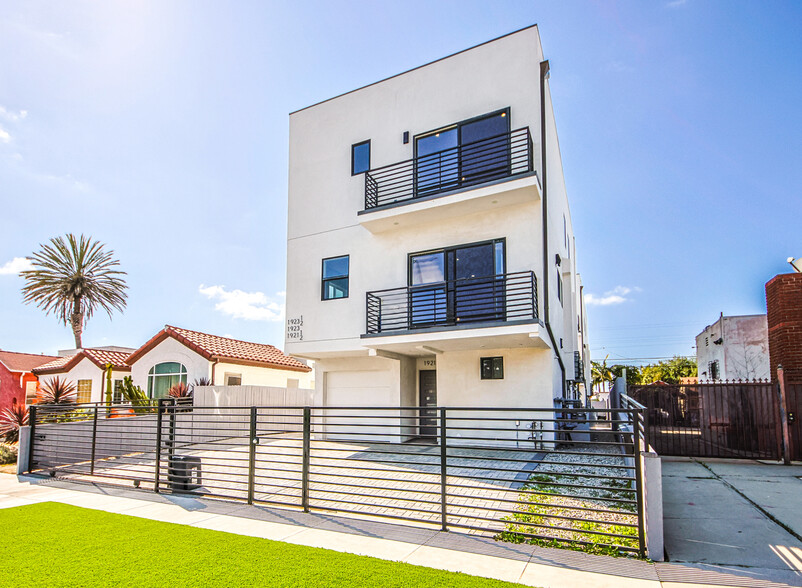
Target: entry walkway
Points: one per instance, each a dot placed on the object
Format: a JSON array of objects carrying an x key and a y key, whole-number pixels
[{"x": 734, "y": 517}]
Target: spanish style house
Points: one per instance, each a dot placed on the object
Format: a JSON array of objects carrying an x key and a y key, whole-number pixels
[
  {"x": 86, "y": 368},
  {"x": 176, "y": 355},
  {"x": 430, "y": 251}
]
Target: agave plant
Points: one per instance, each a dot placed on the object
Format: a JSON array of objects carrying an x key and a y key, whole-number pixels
[
  {"x": 11, "y": 419},
  {"x": 180, "y": 390},
  {"x": 201, "y": 382},
  {"x": 57, "y": 390}
]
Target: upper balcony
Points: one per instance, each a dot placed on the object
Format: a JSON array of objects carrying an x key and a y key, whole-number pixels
[{"x": 459, "y": 180}]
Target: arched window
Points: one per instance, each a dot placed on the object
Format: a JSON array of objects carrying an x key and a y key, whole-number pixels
[{"x": 163, "y": 376}]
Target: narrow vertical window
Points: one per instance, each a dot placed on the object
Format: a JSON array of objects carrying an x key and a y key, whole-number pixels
[
  {"x": 335, "y": 278},
  {"x": 360, "y": 157},
  {"x": 84, "y": 391}
]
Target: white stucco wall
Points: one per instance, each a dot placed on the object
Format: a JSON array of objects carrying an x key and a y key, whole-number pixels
[
  {"x": 743, "y": 352},
  {"x": 262, "y": 376},
  {"x": 324, "y": 202},
  {"x": 170, "y": 350},
  {"x": 86, "y": 370}
]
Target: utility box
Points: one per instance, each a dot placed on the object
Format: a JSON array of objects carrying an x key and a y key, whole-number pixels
[{"x": 184, "y": 472}]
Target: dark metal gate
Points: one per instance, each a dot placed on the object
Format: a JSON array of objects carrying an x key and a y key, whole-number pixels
[
  {"x": 720, "y": 419},
  {"x": 521, "y": 475}
]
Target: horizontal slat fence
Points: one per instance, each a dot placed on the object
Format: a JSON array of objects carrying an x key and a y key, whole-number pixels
[{"x": 520, "y": 475}]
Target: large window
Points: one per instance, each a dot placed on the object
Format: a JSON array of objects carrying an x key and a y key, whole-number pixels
[
  {"x": 84, "y": 391},
  {"x": 360, "y": 157},
  {"x": 335, "y": 278},
  {"x": 469, "y": 152},
  {"x": 460, "y": 284},
  {"x": 164, "y": 376}
]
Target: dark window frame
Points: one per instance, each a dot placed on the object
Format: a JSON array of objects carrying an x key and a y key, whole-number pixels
[
  {"x": 492, "y": 365},
  {"x": 353, "y": 148},
  {"x": 458, "y": 126},
  {"x": 446, "y": 270},
  {"x": 323, "y": 279}
]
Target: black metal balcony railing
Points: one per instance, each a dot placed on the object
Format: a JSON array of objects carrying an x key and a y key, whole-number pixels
[
  {"x": 502, "y": 298},
  {"x": 500, "y": 156}
]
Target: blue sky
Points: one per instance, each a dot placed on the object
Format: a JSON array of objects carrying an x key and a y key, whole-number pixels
[{"x": 160, "y": 128}]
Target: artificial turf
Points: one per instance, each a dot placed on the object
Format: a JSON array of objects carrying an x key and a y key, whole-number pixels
[{"x": 52, "y": 544}]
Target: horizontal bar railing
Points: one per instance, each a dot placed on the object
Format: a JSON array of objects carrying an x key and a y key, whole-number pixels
[
  {"x": 500, "y": 298},
  {"x": 492, "y": 158},
  {"x": 516, "y": 474}
]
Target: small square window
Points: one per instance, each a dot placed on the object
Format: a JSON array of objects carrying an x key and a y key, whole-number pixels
[
  {"x": 360, "y": 157},
  {"x": 233, "y": 379},
  {"x": 492, "y": 368},
  {"x": 335, "y": 278}
]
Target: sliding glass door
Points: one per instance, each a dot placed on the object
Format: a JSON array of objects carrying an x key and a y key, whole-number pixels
[
  {"x": 457, "y": 285},
  {"x": 470, "y": 152}
]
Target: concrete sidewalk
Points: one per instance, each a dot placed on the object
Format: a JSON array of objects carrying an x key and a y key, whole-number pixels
[
  {"x": 734, "y": 516},
  {"x": 526, "y": 564}
]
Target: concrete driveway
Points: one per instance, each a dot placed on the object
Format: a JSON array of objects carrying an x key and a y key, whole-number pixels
[{"x": 734, "y": 517}]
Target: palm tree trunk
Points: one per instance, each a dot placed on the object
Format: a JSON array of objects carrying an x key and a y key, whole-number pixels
[{"x": 77, "y": 320}]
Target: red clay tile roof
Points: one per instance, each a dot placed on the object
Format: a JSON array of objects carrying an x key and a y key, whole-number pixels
[
  {"x": 23, "y": 362},
  {"x": 100, "y": 357},
  {"x": 213, "y": 347}
]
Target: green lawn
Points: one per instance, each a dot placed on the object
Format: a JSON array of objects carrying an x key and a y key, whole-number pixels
[{"x": 51, "y": 544}]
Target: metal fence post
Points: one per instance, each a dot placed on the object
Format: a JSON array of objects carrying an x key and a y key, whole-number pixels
[
  {"x": 252, "y": 456},
  {"x": 443, "y": 470},
  {"x": 32, "y": 422},
  {"x": 159, "y": 411},
  {"x": 307, "y": 447},
  {"x": 635, "y": 418},
  {"x": 94, "y": 441},
  {"x": 786, "y": 433}
]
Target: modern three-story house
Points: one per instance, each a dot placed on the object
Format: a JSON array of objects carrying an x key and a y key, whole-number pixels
[{"x": 430, "y": 252}]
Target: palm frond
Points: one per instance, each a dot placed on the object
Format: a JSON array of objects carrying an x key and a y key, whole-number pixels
[{"x": 74, "y": 275}]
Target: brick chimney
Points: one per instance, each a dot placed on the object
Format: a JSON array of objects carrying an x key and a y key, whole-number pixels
[{"x": 784, "y": 311}]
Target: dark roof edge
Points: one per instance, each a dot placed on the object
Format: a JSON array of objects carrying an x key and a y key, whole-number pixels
[{"x": 414, "y": 68}]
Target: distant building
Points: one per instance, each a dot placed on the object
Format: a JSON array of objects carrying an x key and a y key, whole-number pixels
[
  {"x": 17, "y": 380},
  {"x": 734, "y": 348}
]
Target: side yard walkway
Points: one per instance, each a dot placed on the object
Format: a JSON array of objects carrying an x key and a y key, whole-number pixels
[
  {"x": 526, "y": 564},
  {"x": 734, "y": 517}
]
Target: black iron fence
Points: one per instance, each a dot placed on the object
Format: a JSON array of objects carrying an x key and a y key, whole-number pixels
[
  {"x": 716, "y": 419},
  {"x": 520, "y": 475},
  {"x": 505, "y": 297},
  {"x": 470, "y": 164}
]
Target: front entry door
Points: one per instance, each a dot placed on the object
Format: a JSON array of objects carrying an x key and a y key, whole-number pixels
[{"x": 428, "y": 398}]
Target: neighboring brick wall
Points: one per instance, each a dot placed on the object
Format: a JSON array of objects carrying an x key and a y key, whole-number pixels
[{"x": 784, "y": 310}]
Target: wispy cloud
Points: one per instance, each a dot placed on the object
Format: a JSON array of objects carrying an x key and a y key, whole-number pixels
[
  {"x": 676, "y": 3},
  {"x": 617, "y": 295},
  {"x": 15, "y": 266},
  {"x": 618, "y": 67},
  {"x": 5, "y": 137},
  {"x": 252, "y": 306},
  {"x": 12, "y": 116}
]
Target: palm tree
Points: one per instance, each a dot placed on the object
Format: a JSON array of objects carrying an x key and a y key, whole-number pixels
[
  {"x": 601, "y": 374},
  {"x": 72, "y": 277}
]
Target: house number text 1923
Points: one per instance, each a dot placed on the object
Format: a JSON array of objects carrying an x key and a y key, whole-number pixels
[{"x": 295, "y": 328}]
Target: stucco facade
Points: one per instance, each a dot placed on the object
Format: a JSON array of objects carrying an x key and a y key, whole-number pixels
[
  {"x": 358, "y": 360},
  {"x": 734, "y": 348}
]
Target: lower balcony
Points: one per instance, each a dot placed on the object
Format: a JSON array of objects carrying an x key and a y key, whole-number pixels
[{"x": 453, "y": 304}]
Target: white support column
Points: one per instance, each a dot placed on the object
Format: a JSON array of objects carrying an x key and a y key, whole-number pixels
[
  {"x": 653, "y": 504},
  {"x": 23, "y": 449}
]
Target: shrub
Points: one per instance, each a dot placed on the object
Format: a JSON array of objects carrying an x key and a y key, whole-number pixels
[
  {"x": 180, "y": 390},
  {"x": 11, "y": 419},
  {"x": 8, "y": 454}
]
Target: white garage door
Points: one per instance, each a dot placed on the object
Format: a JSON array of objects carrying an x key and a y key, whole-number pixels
[{"x": 358, "y": 388}]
